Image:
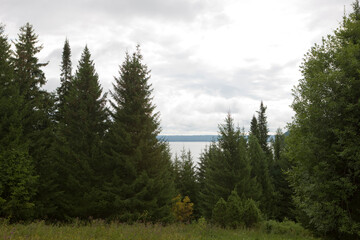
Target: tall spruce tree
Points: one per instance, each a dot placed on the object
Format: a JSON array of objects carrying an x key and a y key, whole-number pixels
[
  {"x": 65, "y": 79},
  {"x": 79, "y": 142},
  {"x": 139, "y": 164},
  {"x": 37, "y": 108},
  {"x": 18, "y": 180},
  {"x": 263, "y": 129},
  {"x": 324, "y": 135}
]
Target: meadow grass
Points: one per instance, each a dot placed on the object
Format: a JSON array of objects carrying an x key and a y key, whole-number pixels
[{"x": 101, "y": 230}]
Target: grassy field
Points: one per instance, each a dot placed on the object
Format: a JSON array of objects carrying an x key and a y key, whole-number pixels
[{"x": 101, "y": 230}]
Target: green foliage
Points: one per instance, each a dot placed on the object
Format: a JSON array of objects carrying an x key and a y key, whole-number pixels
[
  {"x": 219, "y": 213},
  {"x": 263, "y": 130},
  {"x": 324, "y": 139},
  {"x": 78, "y": 145},
  {"x": 138, "y": 164},
  {"x": 18, "y": 180},
  {"x": 66, "y": 79},
  {"x": 97, "y": 229},
  {"x": 260, "y": 171},
  {"x": 284, "y": 227},
  {"x": 234, "y": 211},
  {"x": 185, "y": 178},
  {"x": 254, "y": 128},
  {"x": 251, "y": 213},
  {"x": 18, "y": 185},
  {"x": 283, "y": 206},
  {"x": 226, "y": 167}
]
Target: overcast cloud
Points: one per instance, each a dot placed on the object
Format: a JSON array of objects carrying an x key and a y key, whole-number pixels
[{"x": 207, "y": 57}]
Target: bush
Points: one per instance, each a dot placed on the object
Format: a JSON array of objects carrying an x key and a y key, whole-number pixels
[
  {"x": 234, "y": 211},
  {"x": 219, "y": 213},
  {"x": 251, "y": 213},
  {"x": 285, "y": 227},
  {"x": 182, "y": 210}
]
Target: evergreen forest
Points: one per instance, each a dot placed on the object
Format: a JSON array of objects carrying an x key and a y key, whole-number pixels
[{"x": 82, "y": 153}]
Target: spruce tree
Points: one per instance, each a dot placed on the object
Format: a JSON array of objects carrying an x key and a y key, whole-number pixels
[
  {"x": 18, "y": 180},
  {"x": 185, "y": 179},
  {"x": 65, "y": 79},
  {"x": 254, "y": 128},
  {"x": 263, "y": 129},
  {"x": 140, "y": 164},
  {"x": 210, "y": 152},
  {"x": 79, "y": 142},
  {"x": 37, "y": 109},
  {"x": 284, "y": 205},
  {"x": 260, "y": 171},
  {"x": 228, "y": 168}
]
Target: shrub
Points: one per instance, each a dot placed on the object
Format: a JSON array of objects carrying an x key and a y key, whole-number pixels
[
  {"x": 182, "y": 209},
  {"x": 219, "y": 213},
  {"x": 234, "y": 211},
  {"x": 251, "y": 213},
  {"x": 284, "y": 227}
]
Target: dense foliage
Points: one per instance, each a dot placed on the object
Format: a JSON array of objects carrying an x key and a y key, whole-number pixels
[
  {"x": 324, "y": 135},
  {"x": 69, "y": 154}
]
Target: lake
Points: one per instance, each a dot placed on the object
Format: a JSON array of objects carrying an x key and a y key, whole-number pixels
[{"x": 195, "y": 147}]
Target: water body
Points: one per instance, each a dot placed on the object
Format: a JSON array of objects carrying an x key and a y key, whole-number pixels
[{"x": 195, "y": 147}]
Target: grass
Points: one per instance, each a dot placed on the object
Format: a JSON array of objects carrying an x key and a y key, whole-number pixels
[{"x": 100, "y": 230}]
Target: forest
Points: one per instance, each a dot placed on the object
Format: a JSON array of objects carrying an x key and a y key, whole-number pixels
[{"x": 79, "y": 153}]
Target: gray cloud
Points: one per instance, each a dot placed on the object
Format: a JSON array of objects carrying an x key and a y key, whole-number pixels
[
  {"x": 320, "y": 13},
  {"x": 192, "y": 95}
]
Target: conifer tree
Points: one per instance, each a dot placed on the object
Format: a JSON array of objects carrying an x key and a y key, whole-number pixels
[
  {"x": 210, "y": 152},
  {"x": 37, "y": 109},
  {"x": 263, "y": 129},
  {"x": 65, "y": 78},
  {"x": 140, "y": 164},
  {"x": 260, "y": 171},
  {"x": 185, "y": 178},
  {"x": 79, "y": 142},
  {"x": 254, "y": 128},
  {"x": 18, "y": 180},
  {"x": 284, "y": 205},
  {"x": 228, "y": 169},
  {"x": 186, "y": 184}
]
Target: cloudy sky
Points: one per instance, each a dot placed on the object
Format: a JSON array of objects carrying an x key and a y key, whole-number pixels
[{"x": 207, "y": 57}]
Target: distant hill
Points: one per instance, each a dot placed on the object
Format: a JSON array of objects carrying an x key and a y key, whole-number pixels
[
  {"x": 194, "y": 138},
  {"x": 189, "y": 138}
]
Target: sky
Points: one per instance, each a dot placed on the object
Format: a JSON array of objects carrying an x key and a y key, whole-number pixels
[{"x": 207, "y": 57}]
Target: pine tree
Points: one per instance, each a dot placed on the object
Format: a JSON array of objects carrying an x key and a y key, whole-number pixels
[
  {"x": 140, "y": 164},
  {"x": 18, "y": 180},
  {"x": 79, "y": 142},
  {"x": 65, "y": 78}
]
